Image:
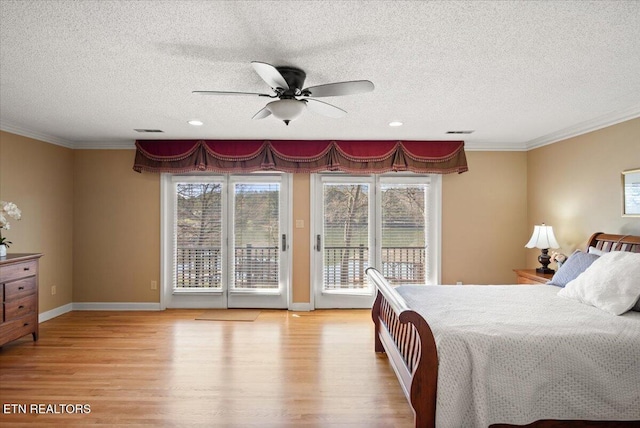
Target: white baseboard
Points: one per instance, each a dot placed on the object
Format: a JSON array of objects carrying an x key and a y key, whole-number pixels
[
  {"x": 125, "y": 306},
  {"x": 115, "y": 306},
  {"x": 300, "y": 307},
  {"x": 56, "y": 312}
]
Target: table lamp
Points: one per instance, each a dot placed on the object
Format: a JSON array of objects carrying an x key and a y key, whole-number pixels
[{"x": 544, "y": 239}]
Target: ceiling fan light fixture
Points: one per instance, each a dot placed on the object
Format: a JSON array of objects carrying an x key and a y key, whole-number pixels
[{"x": 287, "y": 109}]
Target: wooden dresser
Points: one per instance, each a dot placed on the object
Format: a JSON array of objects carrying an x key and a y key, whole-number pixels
[{"x": 19, "y": 287}]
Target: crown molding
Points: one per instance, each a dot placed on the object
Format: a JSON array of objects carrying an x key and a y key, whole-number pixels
[
  {"x": 488, "y": 146},
  {"x": 585, "y": 127},
  {"x": 106, "y": 145},
  {"x": 94, "y": 145},
  {"x": 7, "y": 127}
]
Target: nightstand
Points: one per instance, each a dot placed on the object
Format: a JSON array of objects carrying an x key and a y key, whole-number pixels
[{"x": 530, "y": 276}]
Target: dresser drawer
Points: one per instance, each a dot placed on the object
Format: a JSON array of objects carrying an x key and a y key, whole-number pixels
[
  {"x": 17, "y": 328},
  {"x": 19, "y": 308},
  {"x": 18, "y": 270},
  {"x": 18, "y": 289}
]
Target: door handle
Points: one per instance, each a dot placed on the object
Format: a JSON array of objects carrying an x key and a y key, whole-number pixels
[
  {"x": 284, "y": 242},
  {"x": 318, "y": 243}
]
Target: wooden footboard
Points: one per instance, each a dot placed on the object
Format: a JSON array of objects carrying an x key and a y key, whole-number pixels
[{"x": 409, "y": 344}]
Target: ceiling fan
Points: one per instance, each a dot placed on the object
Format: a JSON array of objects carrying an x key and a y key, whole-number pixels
[{"x": 292, "y": 99}]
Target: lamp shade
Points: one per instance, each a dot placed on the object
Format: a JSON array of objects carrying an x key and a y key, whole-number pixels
[
  {"x": 542, "y": 237},
  {"x": 287, "y": 109}
]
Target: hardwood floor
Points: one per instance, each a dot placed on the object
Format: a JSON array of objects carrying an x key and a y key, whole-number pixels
[{"x": 286, "y": 369}]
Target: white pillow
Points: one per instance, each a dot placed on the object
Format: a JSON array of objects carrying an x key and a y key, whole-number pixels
[
  {"x": 611, "y": 283},
  {"x": 594, "y": 250}
]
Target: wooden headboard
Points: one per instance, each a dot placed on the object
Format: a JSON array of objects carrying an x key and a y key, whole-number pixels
[{"x": 608, "y": 242}]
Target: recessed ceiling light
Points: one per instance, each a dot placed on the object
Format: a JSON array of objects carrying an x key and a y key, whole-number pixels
[
  {"x": 195, "y": 123},
  {"x": 460, "y": 132},
  {"x": 148, "y": 130},
  {"x": 395, "y": 123}
]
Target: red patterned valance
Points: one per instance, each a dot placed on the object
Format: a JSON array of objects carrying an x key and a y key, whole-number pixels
[{"x": 234, "y": 156}]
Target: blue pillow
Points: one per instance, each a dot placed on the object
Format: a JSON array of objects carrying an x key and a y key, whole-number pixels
[{"x": 574, "y": 266}]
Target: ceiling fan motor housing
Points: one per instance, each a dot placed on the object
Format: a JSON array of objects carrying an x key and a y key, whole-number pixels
[{"x": 295, "y": 79}]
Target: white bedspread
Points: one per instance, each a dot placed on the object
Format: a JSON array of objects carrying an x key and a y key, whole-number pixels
[{"x": 517, "y": 354}]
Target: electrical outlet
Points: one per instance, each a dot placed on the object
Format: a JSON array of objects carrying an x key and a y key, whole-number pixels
[
  {"x": 299, "y": 224},
  {"x": 53, "y": 290},
  {"x": 154, "y": 285},
  {"x": 458, "y": 282}
]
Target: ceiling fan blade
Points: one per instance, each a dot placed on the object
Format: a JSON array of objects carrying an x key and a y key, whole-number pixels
[
  {"x": 338, "y": 89},
  {"x": 270, "y": 74},
  {"x": 325, "y": 109},
  {"x": 262, "y": 114},
  {"x": 228, "y": 93}
]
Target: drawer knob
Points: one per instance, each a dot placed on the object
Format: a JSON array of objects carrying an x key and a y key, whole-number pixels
[
  {"x": 26, "y": 268},
  {"x": 25, "y": 324},
  {"x": 21, "y": 307},
  {"x": 21, "y": 288}
]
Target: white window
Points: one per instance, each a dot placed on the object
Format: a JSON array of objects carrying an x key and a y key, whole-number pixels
[
  {"x": 225, "y": 240},
  {"x": 198, "y": 236},
  {"x": 388, "y": 221}
]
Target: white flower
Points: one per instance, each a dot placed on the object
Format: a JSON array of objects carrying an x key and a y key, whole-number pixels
[
  {"x": 11, "y": 209},
  {"x": 8, "y": 209}
]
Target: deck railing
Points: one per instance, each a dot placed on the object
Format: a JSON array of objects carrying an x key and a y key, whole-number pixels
[
  {"x": 344, "y": 267},
  {"x": 201, "y": 267},
  {"x": 198, "y": 267},
  {"x": 404, "y": 265},
  {"x": 257, "y": 267}
]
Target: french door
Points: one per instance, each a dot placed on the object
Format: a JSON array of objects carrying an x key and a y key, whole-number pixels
[
  {"x": 390, "y": 222},
  {"x": 225, "y": 241}
]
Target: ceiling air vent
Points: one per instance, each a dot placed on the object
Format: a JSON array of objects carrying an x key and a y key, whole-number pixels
[
  {"x": 460, "y": 132},
  {"x": 148, "y": 130}
]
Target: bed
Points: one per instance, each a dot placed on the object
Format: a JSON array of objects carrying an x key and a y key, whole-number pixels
[{"x": 577, "y": 365}]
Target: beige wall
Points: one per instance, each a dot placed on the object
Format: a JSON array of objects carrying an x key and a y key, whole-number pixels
[
  {"x": 117, "y": 225},
  {"x": 484, "y": 227},
  {"x": 575, "y": 185},
  {"x": 301, "y": 239},
  {"x": 38, "y": 178},
  {"x": 116, "y": 229},
  {"x": 116, "y": 241},
  {"x": 98, "y": 222},
  {"x": 484, "y": 215},
  {"x": 118, "y": 206}
]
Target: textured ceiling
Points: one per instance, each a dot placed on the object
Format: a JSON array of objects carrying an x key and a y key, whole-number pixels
[{"x": 520, "y": 74}]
